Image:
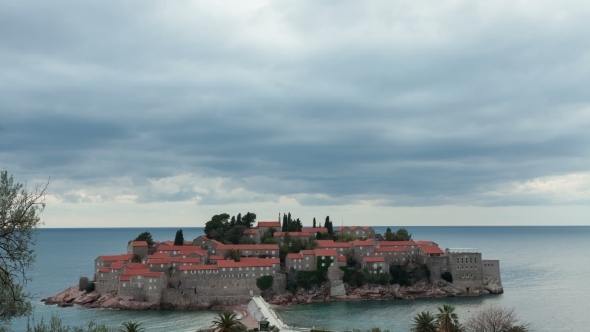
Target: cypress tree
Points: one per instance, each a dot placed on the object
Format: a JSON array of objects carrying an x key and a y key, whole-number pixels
[
  {"x": 314, "y": 223},
  {"x": 179, "y": 238}
]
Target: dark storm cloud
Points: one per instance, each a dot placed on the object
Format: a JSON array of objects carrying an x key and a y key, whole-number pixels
[{"x": 352, "y": 103}]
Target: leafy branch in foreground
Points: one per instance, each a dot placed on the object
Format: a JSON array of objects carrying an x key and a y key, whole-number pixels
[{"x": 19, "y": 219}]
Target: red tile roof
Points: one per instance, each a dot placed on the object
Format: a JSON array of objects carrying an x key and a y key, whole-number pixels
[
  {"x": 425, "y": 242},
  {"x": 158, "y": 255},
  {"x": 307, "y": 252},
  {"x": 216, "y": 257},
  {"x": 396, "y": 243},
  {"x": 332, "y": 244},
  {"x": 268, "y": 224},
  {"x": 125, "y": 278},
  {"x": 251, "y": 231},
  {"x": 158, "y": 261},
  {"x": 139, "y": 244},
  {"x": 111, "y": 258},
  {"x": 374, "y": 259},
  {"x": 103, "y": 269},
  {"x": 248, "y": 247},
  {"x": 117, "y": 265},
  {"x": 432, "y": 250},
  {"x": 295, "y": 256},
  {"x": 325, "y": 252},
  {"x": 342, "y": 259}
]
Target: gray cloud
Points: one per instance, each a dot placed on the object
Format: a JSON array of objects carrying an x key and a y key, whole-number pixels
[{"x": 398, "y": 103}]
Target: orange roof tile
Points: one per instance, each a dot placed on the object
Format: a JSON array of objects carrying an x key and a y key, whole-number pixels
[
  {"x": 268, "y": 224},
  {"x": 332, "y": 244},
  {"x": 432, "y": 250},
  {"x": 307, "y": 252},
  {"x": 158, "y": 261},
  {"x": 103, "y": 269},
  {"x": 373, "y": 259},
  {"x": 341, "y": 258},
  {"x": 139, "y": 244},
  {"x": 325, "y": 252},
  {"x": 251, "y": 231},
  {"x": 216, "y": 257},
  {"x": 125, "y": 278},
  {"x": 294, "y": 255},
  {"x": 111, "y": 258},
  {"x": 248, "y": 247}
]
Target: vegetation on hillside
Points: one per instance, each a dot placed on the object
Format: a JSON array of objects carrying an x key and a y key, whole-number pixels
[
  {"x": 145, "y": 236},
  {"x": 400, "y": 235},
  {"x": 229, "y": 230}
]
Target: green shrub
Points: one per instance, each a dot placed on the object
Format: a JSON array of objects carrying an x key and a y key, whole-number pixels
[
  {"x": 447, "y": 276},
  {"x": 399, "y": 275},
  {"x": 264, "y": 283},
  {"x": 91, "y": 288},
  {"x": 305, "y": 279},
  {"x": 354, "y": 277}
]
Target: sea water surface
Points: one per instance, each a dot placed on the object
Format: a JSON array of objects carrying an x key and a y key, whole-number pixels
[{"x": 545, "y": 273}]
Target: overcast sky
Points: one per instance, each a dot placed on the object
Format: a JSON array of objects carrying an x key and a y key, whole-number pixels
[{"x": 412, "y": 112}]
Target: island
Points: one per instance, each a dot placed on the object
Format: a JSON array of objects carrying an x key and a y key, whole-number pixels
[{"x": 283, "y": 263}]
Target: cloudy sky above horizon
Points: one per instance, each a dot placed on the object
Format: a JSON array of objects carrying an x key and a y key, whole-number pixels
[{"x": 375, "y": 113}]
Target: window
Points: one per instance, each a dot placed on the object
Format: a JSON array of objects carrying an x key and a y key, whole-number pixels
[{"x": 124, "y": 284}]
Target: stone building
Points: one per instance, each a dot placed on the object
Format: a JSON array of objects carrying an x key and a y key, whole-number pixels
[
  {"x": 362, "y": 249},
  {"x": 139, "y": 248},
  {"x": 301, "y": 236},
  {"x": 343, "y": 248},
  {"x": 375, "y": 264},
  {"x": 360, "y": 232},
  {"x": 253, "y": 234}
]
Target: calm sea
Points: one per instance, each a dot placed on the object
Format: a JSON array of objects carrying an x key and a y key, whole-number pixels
[{"x": 545, "y": 273}]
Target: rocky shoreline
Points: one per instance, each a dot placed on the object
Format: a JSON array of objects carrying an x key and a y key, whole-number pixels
[
  {"x": 74, "y": 296},
  {"x": 378, "y": 292}
]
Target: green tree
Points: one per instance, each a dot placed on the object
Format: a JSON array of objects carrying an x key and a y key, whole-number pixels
[
  {"x": 424, "y": 322},
  {"x": 249, "y": 219},
  {"x": 179, "y": 238},
  {"x": 131, "y": 327},
  {"x": 403, "y": 235},
  {"x": 19, "y": 219},
  {"x": 447, "y": 319},
  {"x": 217, "y": 226},
  {"x": 136, "y": 258},
  {"x": 226, "y": 321},
  {"x": 389, "y": 236},
  {"x": 235, "y": 234},
  {"x": 145, "y": 236}
]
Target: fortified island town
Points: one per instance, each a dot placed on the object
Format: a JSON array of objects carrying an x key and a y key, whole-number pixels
[{"x": 282, "y": 263}]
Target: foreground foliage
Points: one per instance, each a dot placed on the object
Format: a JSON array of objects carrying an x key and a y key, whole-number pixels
[
  {"x": 226, "y": 321},
  {"x": 424, "y": 322},
  {"x": 19, "y": 219}
]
